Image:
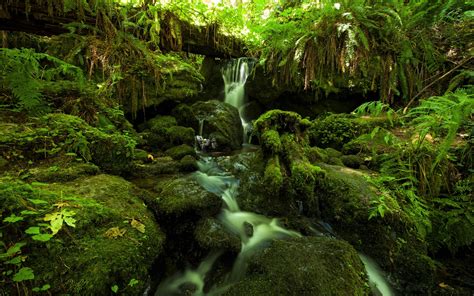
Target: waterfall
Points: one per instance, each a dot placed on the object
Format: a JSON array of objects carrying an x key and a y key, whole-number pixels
[
  {"x": 377, "y": 281},
  {"x": 235, "y": 74}
]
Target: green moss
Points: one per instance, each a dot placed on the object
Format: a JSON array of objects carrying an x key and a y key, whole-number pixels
[
  {"x": 304, "y": 266},
  {"x": 183, "y": 196},
  {"x": 334, "y": 131},
  {"x": 188, "y": 164},
  {"x": 352, "y": 161},
  {"x": 62, "y": 172},
  {"x": 346, "y": 197},
  {"x": 140, "y": 155},
  {"x": 100, "y": 203},
  {"x": 161, "y": 123},
  {"x": 270, "y": 140},
  {"x": 273, "y": 178},
  {"x": 282, "y": 121},
  {"x": 180, "y": 151},
  {"x": 180, "y": 135}
]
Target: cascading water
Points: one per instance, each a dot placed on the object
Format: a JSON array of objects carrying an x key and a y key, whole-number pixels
[
  {"x": 235, "y": 74},
  {"x": 265, "y": 229}
]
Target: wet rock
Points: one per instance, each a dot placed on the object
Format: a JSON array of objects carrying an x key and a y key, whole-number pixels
[
  {"x": 183, "y": 197},
  {"x": 180, "y": 151},
  {"x": 346, "y": 197},
  {"x": 188, "y": 164},
  {"x": 304, "y": 266},
  {"x": 211, "y": 235},
  {"x": 221, "y": 122}
]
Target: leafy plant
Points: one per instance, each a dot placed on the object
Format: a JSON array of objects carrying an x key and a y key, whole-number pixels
[{"x": 22, "y": 71}]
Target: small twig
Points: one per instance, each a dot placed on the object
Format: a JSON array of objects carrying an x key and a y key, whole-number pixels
[{"x": 436, "y": 80}]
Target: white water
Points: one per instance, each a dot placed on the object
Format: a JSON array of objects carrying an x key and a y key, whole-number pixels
[
  {"x": 235, "y": 75},
  {"x": 264, "y": 230},
  {"x": 378, "y": 284}
]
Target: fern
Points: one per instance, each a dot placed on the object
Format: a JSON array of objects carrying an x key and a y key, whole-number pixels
[
  {"x": 443, "y": 116},
  {"x": 22, "y": 71}
]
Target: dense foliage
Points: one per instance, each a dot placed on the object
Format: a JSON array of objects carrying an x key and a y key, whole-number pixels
[{"x": 394, "y": 177}]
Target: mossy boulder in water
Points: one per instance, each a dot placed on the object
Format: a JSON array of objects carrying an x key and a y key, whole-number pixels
[
  {"x": 288, "y": 175},
  {"x": 221, "y": 122},
  {"x": 304, "y": 266},
  {"x": 346, "y": 198},
  {"x": 107, "y": 237},
  {"x": 182, "y": 197}
]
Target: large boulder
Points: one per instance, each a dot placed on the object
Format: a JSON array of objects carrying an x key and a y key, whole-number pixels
[
  {"x": 304, "y": 266},
  {"x": 162, "y": 132},
  {"x": 182, "y": 197},
  {"x": 221, "y": 122},
  {"x": 347, "y": 197},
  {"x": 80, "y": 237}
]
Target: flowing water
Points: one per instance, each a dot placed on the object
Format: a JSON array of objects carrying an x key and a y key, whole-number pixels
[
  {"x": 235, "y": 74},
  {"x": 264, "y": 230},
  {"x": 378, "y": 284}
]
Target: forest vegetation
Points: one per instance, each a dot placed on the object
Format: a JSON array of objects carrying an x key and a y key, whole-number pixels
[{"x": 236, "y": 147}]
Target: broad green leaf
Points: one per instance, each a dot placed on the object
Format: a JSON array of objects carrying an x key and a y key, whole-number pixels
[
  {"x": 42, "y": 237},
  {"x": 114, "y": 289},
  {"x": 28, "y": 212},
  {"x": 25, "y": 273},
  {"x": 42, "y": 289},
  {"x": 37, "y": 201},
  {"x": 15, "y": 261},
  {"x": 133, "y": 282},
  {"x": 33, "y": 230},
  {"x": 13, "y": 218}
]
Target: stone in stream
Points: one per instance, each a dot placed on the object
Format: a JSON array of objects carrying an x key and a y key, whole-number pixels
[
  {"x": 304, "y": 266},
  {"x": 221, "y": 122}
]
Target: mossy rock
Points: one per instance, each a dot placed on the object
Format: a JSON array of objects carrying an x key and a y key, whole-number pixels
[
  {"x": 62, "y": 172},
  {"x": 59, "y": 134},
  {"x": 281, "y": 121},
  {"x": 181, "y": 135},
  {"x": 212, "y": 235},
  {"x": 221, "y": 122},
  {"x": 188, "y": 164},
  {"x": 346, "y": 198},
  {"x": 140, "y": 155},
  {"x": 185, "y": 116},
  {"x": 304, "y": 266},
  {"x": 115, "y": 237},
  {"x": 159, "y": 166},
  {"x": 180, "y": 151},
  {"x": 162, "y": 132},
  {"x": 183, "y": 197},
  {"x": 334, "y": 131},
  {"x": 352, "y": 161}
]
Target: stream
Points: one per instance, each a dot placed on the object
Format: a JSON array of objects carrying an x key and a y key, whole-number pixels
[{"x": 254, "y": 230}]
